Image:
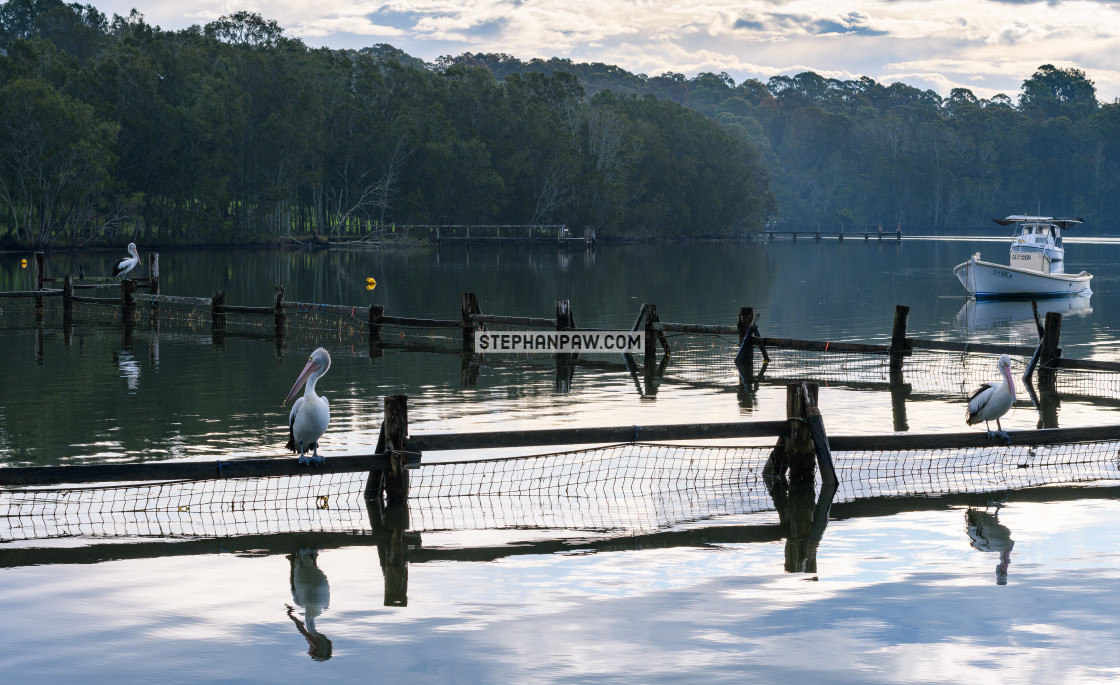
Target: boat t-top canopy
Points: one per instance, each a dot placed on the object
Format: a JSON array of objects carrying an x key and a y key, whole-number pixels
[{"x": 1064, "y": 223}]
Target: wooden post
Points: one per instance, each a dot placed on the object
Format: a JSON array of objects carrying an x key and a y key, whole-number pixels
[
  {"x": 39, "y": 267},
  {"x": 745, "y": 355},
  {"x": 565, "y": 319},
  {"x": 396, "y": 434},
  {"x": 217, "y": 318},
  {"x": 799, "y": 446},
  {"x": 68, "y": 294},
  {"x": 899, "y": 346},
  {"x": 153, "y": 273},
  {"x": 376, "y": 313},
  {"x": 1049, "y": 350},
  {"x": 651, "y": 339},
  {"x": 565, "y": 368},
  {"x": 128, "y": 288},
  {"x": 469, "y": 307},
  {"x": 820, "y": 441},
  {"x": 278, "y": 316}
]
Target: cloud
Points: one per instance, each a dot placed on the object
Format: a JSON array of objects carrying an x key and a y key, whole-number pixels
[{"x": 1001, "y": 41}]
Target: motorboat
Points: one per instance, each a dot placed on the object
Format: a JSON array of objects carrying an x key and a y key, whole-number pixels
[
  {"x": 1038, "y": 234},
  {"x": 1036, "y": 268}
]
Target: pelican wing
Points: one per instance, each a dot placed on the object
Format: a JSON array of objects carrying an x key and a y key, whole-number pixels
[
  {"x": 977, "y": 402},
  {"x": 292, "y": 446},
  {"x": 123, "y": 267}
]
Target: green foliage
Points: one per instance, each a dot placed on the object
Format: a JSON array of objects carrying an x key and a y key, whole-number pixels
[{"x": 235, "y": 133}]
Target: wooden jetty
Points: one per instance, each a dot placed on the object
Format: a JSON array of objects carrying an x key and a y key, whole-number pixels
[
  {"x": 556, "y": 234},
  {"x": 839, "y": 232}
]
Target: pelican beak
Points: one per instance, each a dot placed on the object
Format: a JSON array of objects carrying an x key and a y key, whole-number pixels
[{"x": 307, "y": 371}]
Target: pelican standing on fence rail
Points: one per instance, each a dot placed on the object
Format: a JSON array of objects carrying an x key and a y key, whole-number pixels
[
  {"x": 128, "y": 263},
  {"x": 310, "y": 413},
  {"x": 992, "y": 400}
]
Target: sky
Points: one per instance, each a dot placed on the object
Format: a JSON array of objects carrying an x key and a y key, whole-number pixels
[{"x": 987, "y": 46}]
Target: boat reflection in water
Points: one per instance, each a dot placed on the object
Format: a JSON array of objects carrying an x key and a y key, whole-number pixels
[{"x": 979, "y": 315}]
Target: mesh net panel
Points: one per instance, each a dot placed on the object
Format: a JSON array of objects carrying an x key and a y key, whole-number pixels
[{"x": 619, "y": 488}]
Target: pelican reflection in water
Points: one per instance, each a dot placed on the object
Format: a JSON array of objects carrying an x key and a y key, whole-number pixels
[
  {"x": 312, "y": 593},
  {"x": 989, "y": 535}
]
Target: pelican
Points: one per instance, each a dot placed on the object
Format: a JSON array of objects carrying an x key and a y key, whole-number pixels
[
  {"x": 310, "y": 413},
  {"x": 992, "y": 401},
  {"x": 128, "y": 263}
]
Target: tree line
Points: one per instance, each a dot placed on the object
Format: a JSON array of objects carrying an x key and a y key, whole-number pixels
[
  {"x": 234, "y": 133},
  {"x": 860, "y": 152}
]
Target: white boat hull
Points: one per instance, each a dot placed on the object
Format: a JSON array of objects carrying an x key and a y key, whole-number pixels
[{"x": 987, "y": 280}]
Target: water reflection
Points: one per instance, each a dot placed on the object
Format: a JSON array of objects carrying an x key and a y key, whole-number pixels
[
  {"x": 312, "y": 593},
  {"x": 989, "y": 535},
  {"x": 1017, "y": 316},
  {"x": 129, "y": 369}
]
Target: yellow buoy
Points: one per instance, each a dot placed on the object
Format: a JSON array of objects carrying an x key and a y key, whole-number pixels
[
  {"x": 371, "y": 283},
  {"x": 23, "y": 263}
]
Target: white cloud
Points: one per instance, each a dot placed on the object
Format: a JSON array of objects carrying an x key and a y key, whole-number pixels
[{"x": 1001, "y": 43}]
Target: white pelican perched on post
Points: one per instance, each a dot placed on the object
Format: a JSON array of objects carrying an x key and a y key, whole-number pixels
[
  {"x": 128, "y": 263},
  {"x": 992, "y": 401},
  {"x": 311, "y": 413}
]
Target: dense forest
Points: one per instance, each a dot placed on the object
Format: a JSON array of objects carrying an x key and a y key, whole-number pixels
[
  {"x": 859, "y": 152},
  {"x": 233, "y": 132}
]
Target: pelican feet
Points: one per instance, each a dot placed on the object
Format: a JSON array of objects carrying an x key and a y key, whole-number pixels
[
  {"x": 311, "y": 459},
  {"x": 1000, "y": 435}
]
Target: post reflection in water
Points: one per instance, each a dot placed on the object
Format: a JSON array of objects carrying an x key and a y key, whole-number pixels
[
  {"x": 802, "y": 519},
  {"x": 989, "y": 535},
  {"x": 312, "y": 593}
]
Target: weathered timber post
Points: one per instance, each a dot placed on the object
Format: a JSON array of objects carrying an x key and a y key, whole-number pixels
[
  {"x": 278, "y": 316},
  {"x": 820, "y": 437},
  {"x": 899, "y": 346},
  {"x": 565, "y": 319},
  {"x": 800, "y": 449},
  {"x": 376, "y": 313},
  {"x": 900, "y": 392},
  {"x": 68, "y": 309},
  {"x": 650, "y": 361},
  {"x": 745, "y": 355},
  {"x": 68, "y": 295},
  {"x": 153, "y": 285},
  {"x": 217, "y": 318},
  {"x": 565, "y": 368},
  {"x": 394, "y": 433},
  {"x": 128, "y": 288},
  {"x": 1049, "y": 351},
  {"x": 153, "y": 273},
  {"x": 39, "y": 268},
  {"x": 469, "y": 308}
]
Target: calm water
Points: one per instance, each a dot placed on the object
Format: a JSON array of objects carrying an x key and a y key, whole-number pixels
[{"x": 900, "y": 594}]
